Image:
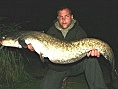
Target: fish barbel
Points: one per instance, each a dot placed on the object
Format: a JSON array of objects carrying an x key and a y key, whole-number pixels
[{"x": 58, "y": 51}]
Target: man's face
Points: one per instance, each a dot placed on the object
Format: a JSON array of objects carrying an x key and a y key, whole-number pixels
[{"x": 64, "y": 17}]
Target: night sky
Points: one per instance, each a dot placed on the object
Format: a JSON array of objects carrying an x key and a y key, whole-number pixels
[{"x": 99, "y": 18}]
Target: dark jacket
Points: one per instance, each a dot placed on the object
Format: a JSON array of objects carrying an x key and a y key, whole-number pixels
[{"x": 75, "y": 33}]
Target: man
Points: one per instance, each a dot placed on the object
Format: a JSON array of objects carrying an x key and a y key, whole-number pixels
[{"x": 68, "y": 29}]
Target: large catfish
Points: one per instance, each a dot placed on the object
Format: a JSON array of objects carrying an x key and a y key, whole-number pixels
[{"x": 58, "y": 51}]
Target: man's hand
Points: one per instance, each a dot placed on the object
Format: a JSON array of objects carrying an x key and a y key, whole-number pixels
[
  {"x": 93, "y": 52},
  {"x": 30, "y": 47}
]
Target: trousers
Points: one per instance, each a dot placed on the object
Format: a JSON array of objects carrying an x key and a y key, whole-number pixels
[{"x": 90, "y": 66}]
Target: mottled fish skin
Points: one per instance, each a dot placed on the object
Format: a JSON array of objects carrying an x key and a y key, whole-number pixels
[{"x": 59, "y": 51}]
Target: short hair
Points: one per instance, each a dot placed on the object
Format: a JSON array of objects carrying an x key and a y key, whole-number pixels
[{"x": 62, "y": 8}]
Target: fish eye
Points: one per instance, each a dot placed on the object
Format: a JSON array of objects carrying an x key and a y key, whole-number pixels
[{"x": 4, "y": 37}]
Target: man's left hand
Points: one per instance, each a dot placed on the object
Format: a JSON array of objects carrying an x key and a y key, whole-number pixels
[{"x": 93, "y": 52}]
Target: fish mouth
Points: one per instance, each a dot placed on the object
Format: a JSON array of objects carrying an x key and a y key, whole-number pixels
[
  {"x": 1, "y": 46},
  {"x": 0, "y": 42},
  {"x": 2, "y": 38}
]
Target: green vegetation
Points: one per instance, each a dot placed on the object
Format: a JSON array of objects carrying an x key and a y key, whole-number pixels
[{"x": 11, "y": 64}]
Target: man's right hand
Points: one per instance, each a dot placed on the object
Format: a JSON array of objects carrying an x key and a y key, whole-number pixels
[{"x": 30, "y": 47}]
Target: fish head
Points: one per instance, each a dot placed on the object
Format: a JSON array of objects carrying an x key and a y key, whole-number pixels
[{"x": 10, "y": 40}]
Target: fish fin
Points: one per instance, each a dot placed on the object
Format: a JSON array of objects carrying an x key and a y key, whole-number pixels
[
  {"x": 1, "y": 47},
  {"x": 41, "y": 57},
  {"x": 22, "y": 42}
]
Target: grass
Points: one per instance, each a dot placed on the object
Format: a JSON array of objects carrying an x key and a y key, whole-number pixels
[
  {"x": 30, "y": 83},
  {"x": 11, "y": 65},
  {"x": 11, "y": 69}
]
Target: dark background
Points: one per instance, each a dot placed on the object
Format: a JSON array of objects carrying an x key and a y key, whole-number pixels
[{"x": 99, "y": 18}]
